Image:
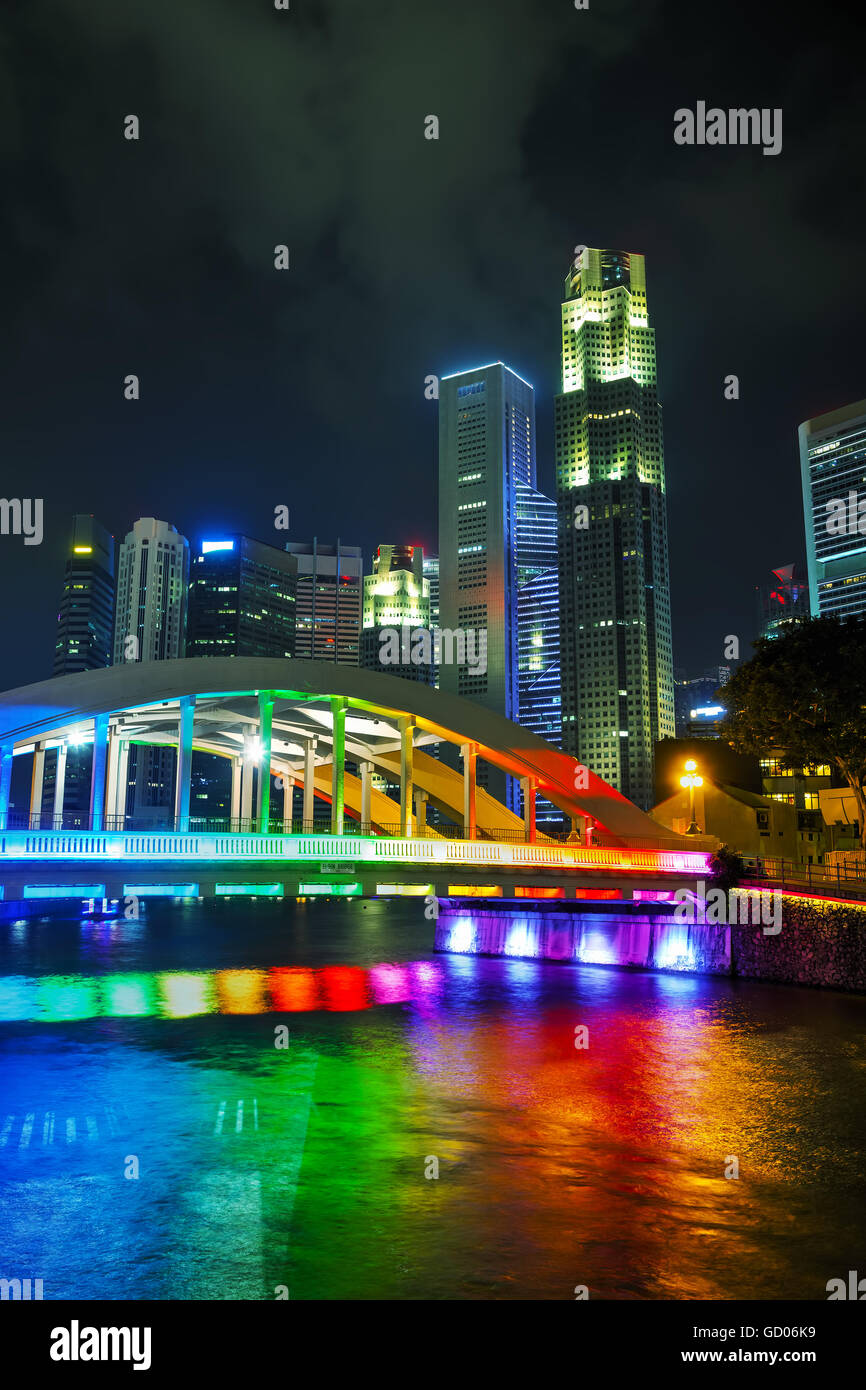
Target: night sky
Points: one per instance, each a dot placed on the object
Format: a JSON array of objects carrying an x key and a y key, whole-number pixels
[{"x": 408, "y": 257}]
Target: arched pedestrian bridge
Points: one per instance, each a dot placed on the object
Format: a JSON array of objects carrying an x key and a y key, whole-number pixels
[{"x": 336, "y": 738}]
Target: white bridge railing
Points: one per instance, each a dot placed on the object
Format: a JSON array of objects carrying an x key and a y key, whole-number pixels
[{"x": 128, "y": 846}]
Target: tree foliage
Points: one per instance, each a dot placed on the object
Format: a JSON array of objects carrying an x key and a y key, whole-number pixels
[{"x": 802, "y": 699}]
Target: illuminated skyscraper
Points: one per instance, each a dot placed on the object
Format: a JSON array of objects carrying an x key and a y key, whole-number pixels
[
  {"x": 396, "y": 605},
  {"x": 833, "y": 472},
  {"x": 494, "y": 537},
  {"x": 152, "y": 579},
  {"x": 537, "y": 614},
  {"x": 150, "y": 625},
  {"x": 86, "y": 616},
  {"x": 782, "y": 601},
  {"x": 617, "y": 674},
  {"x": 328, "y": 608},
  {"x": 241, "y": 599}
]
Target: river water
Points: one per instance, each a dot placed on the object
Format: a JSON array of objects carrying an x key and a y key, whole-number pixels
[{"x": 252, "y": 1100}]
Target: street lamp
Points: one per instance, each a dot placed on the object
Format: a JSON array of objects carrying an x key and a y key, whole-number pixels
[{"x": 692, "y": 780}]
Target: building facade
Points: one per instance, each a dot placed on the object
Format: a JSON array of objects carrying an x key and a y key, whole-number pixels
[
  {"x": 617, "y": 670},
  {"x": 85, "y": 619},
  {"x": 328, "y": 601},
  {"x": 396, "y": 615},
  {"x": 833, "y": 476},
  {"x": 494, "y": 532},
  {"x": 150, "y": 625},
  {"x": 152, "y": 582},
  {"x": 242, "y": 596},
  {"x": 539, "y": 684},
  {"x": 782, "y": 601}
]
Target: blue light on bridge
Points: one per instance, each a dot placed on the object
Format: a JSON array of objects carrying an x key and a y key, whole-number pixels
[
  {"x": 64, "y": 890},
  {"x": 160, "y": 890}
]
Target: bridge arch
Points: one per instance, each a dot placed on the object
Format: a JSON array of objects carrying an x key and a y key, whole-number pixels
[{"x": 304, "y": 720}]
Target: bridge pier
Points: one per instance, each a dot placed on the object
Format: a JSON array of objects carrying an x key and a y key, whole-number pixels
[
  {"x": 469, "y": 753},
  {"x": 263, "y": 797},
  {"x": 97, "y": 771},
  {"x": 37, "y": 781},
  {"x": 366, "y": 770},
  {"x": 338, "y": 763},
  {"x": 183, "y": 770},
  {"x": 309, "y": 780},
  {"x": 407, "y": 749},
  {"x": 528, "y": 784},
  {"x": 60, "y": 782}
]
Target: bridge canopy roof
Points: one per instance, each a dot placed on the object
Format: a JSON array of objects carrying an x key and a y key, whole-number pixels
[{"x": 143, "y": 699}]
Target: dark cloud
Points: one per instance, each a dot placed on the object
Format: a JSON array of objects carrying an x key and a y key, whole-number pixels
[{"x": 408, "y": 257}]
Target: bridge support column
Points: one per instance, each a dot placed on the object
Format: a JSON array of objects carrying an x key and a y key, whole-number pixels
[
  {"x": 338, "y": 763},
  {"x": 528, "y": 784},
  {"x": 288, "y": 782},
  {"x": 366, "y": 770},
  {"x": 122, "y": 784},
  {"x": 263, "y": 798},
  {"x": 60, "y": 784},
  {"x": 111, "y": 789},
  {"x": 469, "y": 753},
  {"x": 247, "y": 772},
  {"x": 5, "y": 783},
  {"x": 184, "y": 762},
  {"x": 97, "y": 771},
  {"x": 407, "y": 772},
  {"x": 420, "y": 811},
  {"x": 37, "y": 784},
  {"x": 237, "y": 777},
  {"x": 309, "y": 783}
]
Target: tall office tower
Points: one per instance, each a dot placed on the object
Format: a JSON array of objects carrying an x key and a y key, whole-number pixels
[
  {"x": 328, "y": 606},
  {"x": 833, "y": 471},
  {"x": 395, "y": 634},
  {"x": 150, "y": 625},
  {"x": 86, "y": 616},
  {"x": 486, "y": 476},
  {"x": 431, "y": 574},
  {"x": 241, "y": 599},
  {"x": 539, "y": 682},
  {"x": 782, "y": 601},
  {"x": 617, "y": 671},
  {"x": 152, "y": 580}
]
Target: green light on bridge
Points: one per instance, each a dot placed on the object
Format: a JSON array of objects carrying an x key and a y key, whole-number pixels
[
  {"x": 329, "y": 890},
  {"x": 249, "y": 890}
]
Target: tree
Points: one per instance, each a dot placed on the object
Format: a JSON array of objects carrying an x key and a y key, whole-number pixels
[
  {"x": 727, "y": 867},
  {"x": 802, "y": 699}
]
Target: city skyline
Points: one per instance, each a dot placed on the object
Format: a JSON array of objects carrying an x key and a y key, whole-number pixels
[{"x": 249, "y": 398}]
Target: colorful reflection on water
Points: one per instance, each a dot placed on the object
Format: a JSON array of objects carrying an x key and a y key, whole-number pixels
[
  {"x": 175, "y": 994},
  {"x": 308, "y": 1167}
]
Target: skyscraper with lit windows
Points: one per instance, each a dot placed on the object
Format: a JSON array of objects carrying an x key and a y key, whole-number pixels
[
  {"x": 617, "y": 670},
  {"x": 495, "y": 540},
  {"x": 833, "y": 472},
  {"x": 85, "y": 618}
]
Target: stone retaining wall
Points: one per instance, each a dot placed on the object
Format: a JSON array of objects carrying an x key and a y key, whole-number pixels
[{"x": 822, "y": 942}]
